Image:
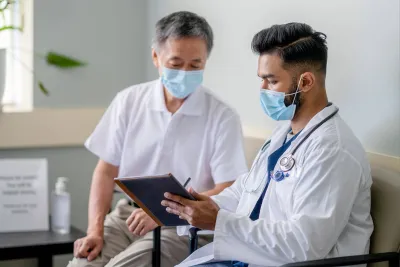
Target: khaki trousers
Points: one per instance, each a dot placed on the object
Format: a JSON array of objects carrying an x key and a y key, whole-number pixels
[{"x": 122, "y": 248}]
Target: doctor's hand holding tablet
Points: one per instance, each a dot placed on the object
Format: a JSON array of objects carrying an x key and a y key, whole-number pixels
[{"x": 201, "y": 213}]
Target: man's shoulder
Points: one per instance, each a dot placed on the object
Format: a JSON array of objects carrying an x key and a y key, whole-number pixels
[
  {"x": 350, "y": 153},
  {"x": 336, "y": 135},
  {"x": 129, "y": 94}
]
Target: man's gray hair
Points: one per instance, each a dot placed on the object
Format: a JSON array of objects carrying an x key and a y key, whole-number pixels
[{"x": 180, "y": 25}]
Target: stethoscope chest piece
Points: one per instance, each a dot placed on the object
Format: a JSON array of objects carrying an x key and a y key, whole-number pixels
[
  {"x": 278, "y": 176},
  {"x": 286, "y": 163}
]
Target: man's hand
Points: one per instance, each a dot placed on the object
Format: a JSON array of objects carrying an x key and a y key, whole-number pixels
[
  {"x": 201, "y": 213},
  {"x": 140, "y": 223},
  {"x": 88, "y": 247}
]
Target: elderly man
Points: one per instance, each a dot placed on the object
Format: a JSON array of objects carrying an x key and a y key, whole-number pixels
[
  {"x": 308, "y": 194},
  {"x": 171, "y": 125}
]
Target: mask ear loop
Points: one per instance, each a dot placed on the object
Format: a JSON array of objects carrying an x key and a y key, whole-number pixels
[{"x": 297, "y": 90}]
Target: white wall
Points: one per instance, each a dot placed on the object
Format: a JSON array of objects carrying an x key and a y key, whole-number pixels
[
  {"x": 111, "y": 37},
  {"x": 363, "y": 68},
  {"x": 108, "y": 35},
  {"x": 114, "y": 37}
]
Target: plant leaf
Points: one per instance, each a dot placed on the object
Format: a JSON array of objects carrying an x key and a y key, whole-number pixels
[
  {"x": 62, "y": 61},
  {"x": 10, "y": 28},
  {"x": 43, "y": 89}
]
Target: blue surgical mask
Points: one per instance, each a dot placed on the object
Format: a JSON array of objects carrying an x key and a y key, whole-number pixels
[
  {"x": 273, "y": 104},
  {"x": 181, "y": 83}
]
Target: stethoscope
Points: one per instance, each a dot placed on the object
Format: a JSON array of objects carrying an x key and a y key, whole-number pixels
[{"x": 287, "y": 162}]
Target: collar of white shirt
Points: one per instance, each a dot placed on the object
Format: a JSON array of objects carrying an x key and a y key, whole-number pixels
[{"x": 194, "y": 104}]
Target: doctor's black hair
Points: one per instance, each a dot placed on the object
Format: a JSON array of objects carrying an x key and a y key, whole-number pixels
[{"x": 297, "y": 44}]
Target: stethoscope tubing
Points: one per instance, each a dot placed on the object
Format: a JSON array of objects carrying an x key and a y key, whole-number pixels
[{"x": 290, "y": 155}]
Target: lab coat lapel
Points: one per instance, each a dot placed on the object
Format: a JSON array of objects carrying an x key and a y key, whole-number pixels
[
  {"x": 281, "y": 132},
  {"x": 278, "y": 138}
]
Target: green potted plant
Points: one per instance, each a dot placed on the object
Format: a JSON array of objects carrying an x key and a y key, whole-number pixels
[{"x": 52, "y": 58}]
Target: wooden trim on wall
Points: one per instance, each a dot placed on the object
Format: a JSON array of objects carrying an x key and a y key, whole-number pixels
[
  {"x": 384, "y": 161},
  {"x": 381, "y": 160},
  {"x": 46, "y": 127}
]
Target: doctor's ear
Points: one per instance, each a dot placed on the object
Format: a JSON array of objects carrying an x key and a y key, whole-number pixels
[
  {"x": 307, "y": 81},
  {"x": 155, "y": 58}
]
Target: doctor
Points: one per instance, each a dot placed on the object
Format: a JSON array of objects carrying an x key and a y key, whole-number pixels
[{"x": 307, "y": 195}]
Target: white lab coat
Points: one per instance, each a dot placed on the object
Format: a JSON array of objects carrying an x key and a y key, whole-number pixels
[{"x": 321, "y": 210}]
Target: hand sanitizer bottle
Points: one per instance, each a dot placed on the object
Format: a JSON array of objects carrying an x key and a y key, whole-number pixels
[{"x": 60, "y": 207}]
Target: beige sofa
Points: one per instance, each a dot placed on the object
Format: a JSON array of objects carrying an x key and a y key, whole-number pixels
[{"x": 385, "y": 199}]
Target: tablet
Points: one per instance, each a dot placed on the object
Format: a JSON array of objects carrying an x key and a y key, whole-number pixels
[{"x": 148, "y": 192}]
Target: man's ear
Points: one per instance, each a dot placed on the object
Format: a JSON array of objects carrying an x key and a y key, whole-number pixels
[
  {"x": 154, "y": 56},
  {"x": 307, "y": 82}
]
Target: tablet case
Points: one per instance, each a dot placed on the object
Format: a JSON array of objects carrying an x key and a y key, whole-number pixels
[{"x": 148, "y": 192}]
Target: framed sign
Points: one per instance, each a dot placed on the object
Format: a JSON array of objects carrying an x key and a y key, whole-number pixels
[{"x": 23, "y": 195}]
